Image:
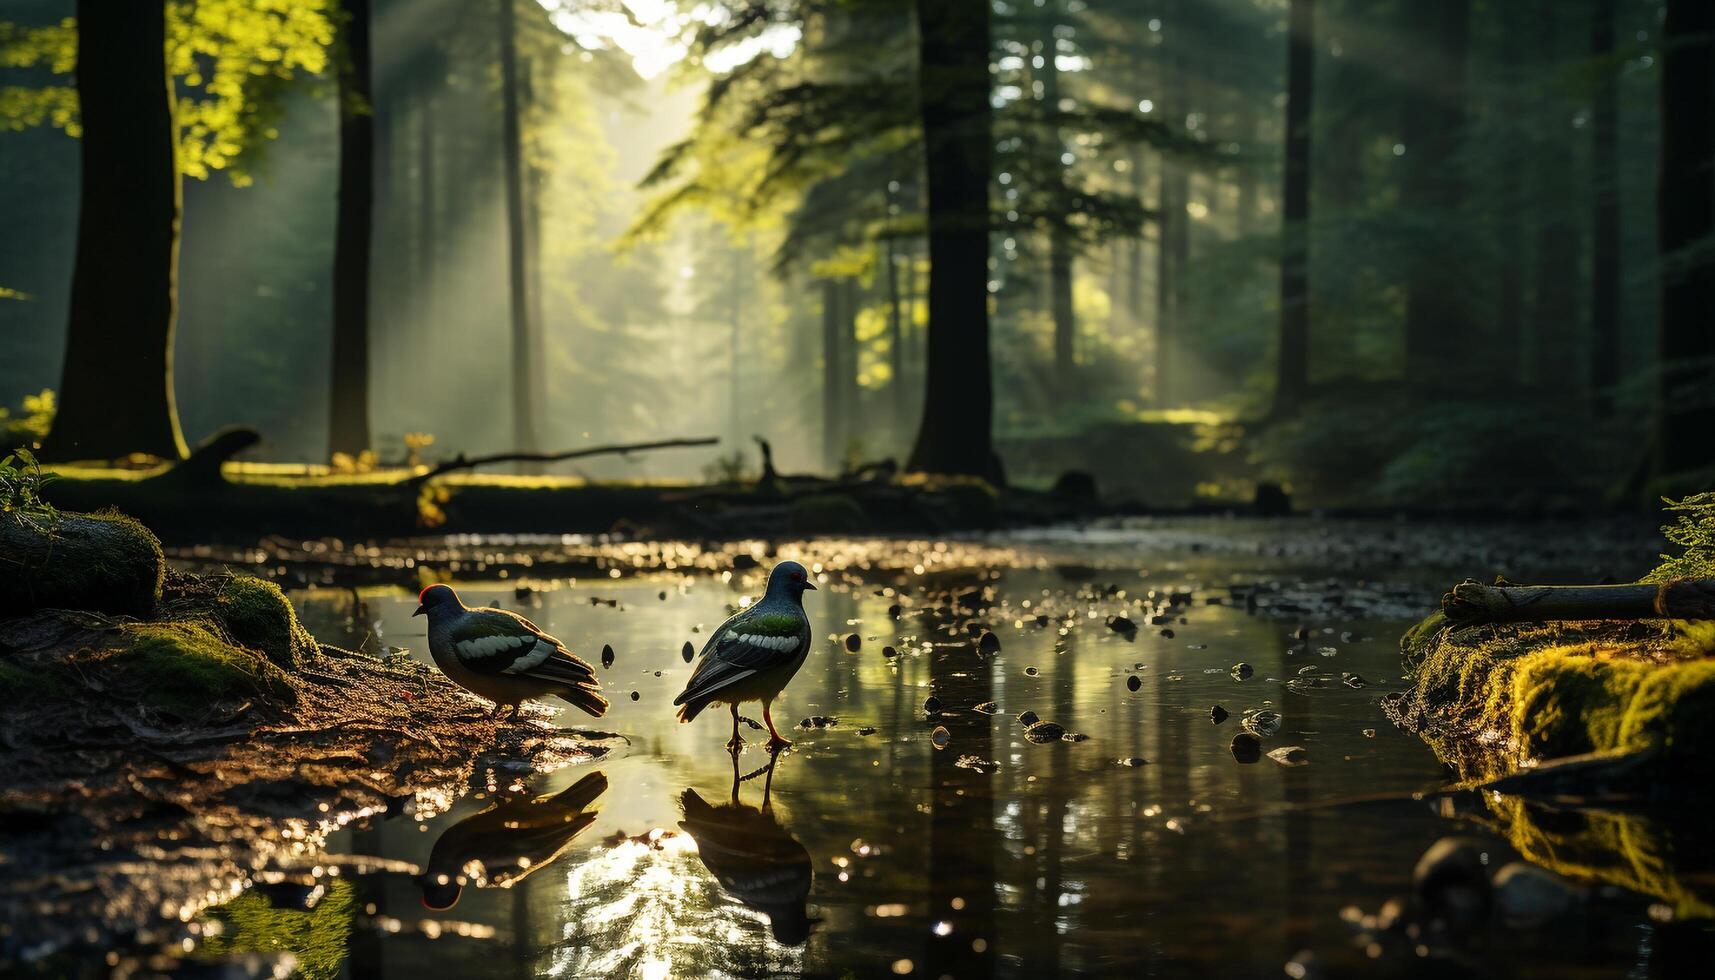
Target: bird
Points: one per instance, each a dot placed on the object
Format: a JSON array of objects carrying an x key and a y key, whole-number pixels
[
  {"x": 755, "y": 859},
  {"x": 754, "y": 654},
  {"x": 509, "y": 841},
  {"x": 501, "y": 656}
]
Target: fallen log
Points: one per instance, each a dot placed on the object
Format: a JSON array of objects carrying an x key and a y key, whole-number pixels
[
  {"x": 462, "y": 463},
  {"x": 1474, "y": 602}
]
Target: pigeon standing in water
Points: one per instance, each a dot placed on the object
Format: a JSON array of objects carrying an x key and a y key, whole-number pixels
[
  {"x": 502, "y": 656},
  {"x": 754, "y": 654}
]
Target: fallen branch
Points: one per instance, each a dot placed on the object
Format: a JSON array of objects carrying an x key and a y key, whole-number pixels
[
  {"x": 462, "y": 463},
  {"x": 1473, "y": 602}
]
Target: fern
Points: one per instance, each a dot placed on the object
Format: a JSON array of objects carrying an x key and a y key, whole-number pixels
[{"x": 1693, "y": 531}]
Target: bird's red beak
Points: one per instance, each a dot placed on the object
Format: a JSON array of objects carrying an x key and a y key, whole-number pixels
[{"x": 420, "y": 612}]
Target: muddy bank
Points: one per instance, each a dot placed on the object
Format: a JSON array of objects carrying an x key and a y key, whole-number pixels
[{"x": 212, "y": 739}]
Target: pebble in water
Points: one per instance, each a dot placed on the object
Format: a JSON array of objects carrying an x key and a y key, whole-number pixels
[
  {"x": 1133, "y": 762},
  {"x": 931, "y": 704},
  {"x": 1263, "y": 723},
  {"x": 1044, "y": 731},
  {"x": 1133, "y": 682},
  {"x": 987, "y": 708},
  {"x": 607, "y": 656},
  {"x": 635, "y": 696},
  {"x": 940, "y": 736},
  {"x": 1119, "y": 624},
  {"x": 1528, "y": 895},
  {"x": 854, "y": 642},
  {"x": 1246, "y": 748},
  {"x": 818, "y": 721},
  {"x": 889, "y": 652},
  {"x": 1218, "y": 714},
  {"x": 988, "y": 643},
  {"x": 866, "y": 730},
  {"x": 1290, "y": 755},
  {"x": 688, "y": 652},
  {"x": 1028, "y": 718},
  {"x": 1450, "y": 878},
  {"x": 1242, "y": 670},
  {"x": 1030, "y": 671}
]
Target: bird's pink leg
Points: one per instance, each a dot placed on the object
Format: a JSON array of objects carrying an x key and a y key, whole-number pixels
[
  {"x": 776, "y": 741},
  {"x": 735, "y": 743}
]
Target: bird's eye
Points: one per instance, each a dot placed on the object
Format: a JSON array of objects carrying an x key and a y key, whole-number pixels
[{"x": 797, "y": 577}]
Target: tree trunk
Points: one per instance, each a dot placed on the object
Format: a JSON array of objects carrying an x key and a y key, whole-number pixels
[
  {"x": 1555, "y": 314},
  {"x": 1134, "y": 245},
  {"x": 895, "y": 331},
  {"x": 1685, "y": 212},
  {"x": 1438, "y": 335},
  {"x": 832, "y": 375},
  {"x": 116, "y": 387},
  {"x": 1059, "y": 239},
  {"x": 956, "y": 432},
  {"x": 1473, "y": 602},
  {"x": 524, "y": 394},
  {"x": 348, "y": 416},
  {"x": 1293, "y": 381},
  {"x": 735, "y": 341},
  {"x": 1605, "y": 250}
]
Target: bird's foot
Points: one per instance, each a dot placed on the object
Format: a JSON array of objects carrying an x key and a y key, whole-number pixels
[{"x": 776, "y": 743}]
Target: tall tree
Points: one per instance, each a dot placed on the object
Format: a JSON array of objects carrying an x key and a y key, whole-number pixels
[
  {"x": 116, "y": 389},
  {"x": 1605, "y": 249},
  {"x": 1685, "y": 215},
  {"x": 1434, "y": 64},
  {"x": 955, "y": 435},
  {"x": 525, "y": 399},
  {"x": 1293, "y": 378},
  {"x": 834, "y": 335},
  {"x": 1555, "y": 312},
  {"x": 1053, "y": 170},
  {"x": 348, "y": 417}
]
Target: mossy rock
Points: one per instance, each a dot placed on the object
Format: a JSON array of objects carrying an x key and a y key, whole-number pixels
[
  {"x": 104, "y": 562},
  {"x": 184, "y": 667},
  {"x": 258, "y": 615},
  {"x": 829, "y": 513},
  {"x": 1550, "y": 690}
]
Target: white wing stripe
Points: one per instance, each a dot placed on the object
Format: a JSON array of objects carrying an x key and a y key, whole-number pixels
[
  {"x": 531, "y": 660},
  {"x": 490, "y": 645},
  {"x": 777, "y": 643}
]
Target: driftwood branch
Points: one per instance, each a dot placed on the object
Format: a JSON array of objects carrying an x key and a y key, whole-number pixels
[
  {"x": 462, "y": 463},
  {"x": 1473, "y": 602}
]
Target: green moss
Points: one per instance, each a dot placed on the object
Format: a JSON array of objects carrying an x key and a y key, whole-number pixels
[
  {"x": 317, "y": 937},
  {"x": 1560, "y": 689},
  {"x": 258, "y": 615},
  {"x": 186, "y": 666},
  {"x": 103, "y": 562},
  {"x": 19, "y": 682}
]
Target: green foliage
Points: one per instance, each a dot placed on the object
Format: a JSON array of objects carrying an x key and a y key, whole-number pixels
[
  {"x": 317, "y": 937},
  {"x": 1693, "y": 531},
  {"x": 21, "y": 482},
  {"x": 232, "y": 61}
]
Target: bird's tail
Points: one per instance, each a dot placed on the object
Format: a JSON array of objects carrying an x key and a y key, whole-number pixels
[
  {"x": 689, "y": 712},
  {"x": 583, "y": 697}
]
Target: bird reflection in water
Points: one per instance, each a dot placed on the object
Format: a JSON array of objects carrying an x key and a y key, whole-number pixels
[
  {"x": 502, "y": 845},
  {"x": 755, "y": 859}
]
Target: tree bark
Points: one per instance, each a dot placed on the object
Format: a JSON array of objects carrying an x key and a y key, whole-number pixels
[
  {"x": 1292, "y": 383},
  {"x": 956, "y": 432},
  {"x": 895, "y": 331},
  {"x": 833, "y": 436},
  {"x": 1605, "y": 249},
  {"x": 1473, "y": 602},
  {"x": 1437, "y": 329},
  {"x": 1685, "y": 214},
  {"x": 1059, "y": 240},
  {"x": 348, "y": 415},
  {"x": 525, "y": 400},
  {"x": 1555, "y": 314},
  {"x": 116, "y": 387}
]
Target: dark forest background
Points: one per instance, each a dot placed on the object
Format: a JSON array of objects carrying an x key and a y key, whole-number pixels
[{"x": 1379, "y": 251}]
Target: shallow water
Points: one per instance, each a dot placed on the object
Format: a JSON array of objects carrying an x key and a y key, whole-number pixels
[{"x": 1146, "y": 848}]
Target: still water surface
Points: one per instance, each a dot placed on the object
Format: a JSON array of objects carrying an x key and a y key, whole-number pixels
[{"x": 869, "y": 850}]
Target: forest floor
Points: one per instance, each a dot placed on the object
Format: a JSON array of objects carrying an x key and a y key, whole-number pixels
[{"x": 197, "y": 739}]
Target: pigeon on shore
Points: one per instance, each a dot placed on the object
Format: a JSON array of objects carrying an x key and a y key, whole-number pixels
[
  {"x": 754, "y": 654},
  {"x": 504, "y": 657}
]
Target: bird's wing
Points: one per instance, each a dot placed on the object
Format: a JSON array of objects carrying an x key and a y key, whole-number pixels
[
  {"x": 494, "y": 641},
  {"x": 745, "y": 646}
]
